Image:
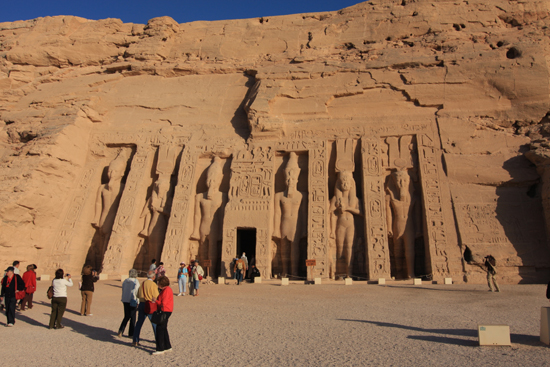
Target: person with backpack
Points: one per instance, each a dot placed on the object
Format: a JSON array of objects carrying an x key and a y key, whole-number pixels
[
  {"x": 240, "y": 269},
  {"x": 198, "y": 273},
  {"x": 491, "y": 268}
]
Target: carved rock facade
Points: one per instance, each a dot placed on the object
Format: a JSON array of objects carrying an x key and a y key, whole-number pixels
[{"x": 411, "y": 127}]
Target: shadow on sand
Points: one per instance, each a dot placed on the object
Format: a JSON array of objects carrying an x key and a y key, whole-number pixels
[{"x": 472, "y": 341}]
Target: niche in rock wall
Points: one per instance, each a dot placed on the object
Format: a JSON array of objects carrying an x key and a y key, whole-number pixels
[
  {"x": 154, "y": 215},
  {"x": 404, "y": 212},
  {"x": 208, "y": 207},
  {"x": 108, "y": 193},
  {"x": 289, "y": 245},
  {"x": 346, "y": 225}
]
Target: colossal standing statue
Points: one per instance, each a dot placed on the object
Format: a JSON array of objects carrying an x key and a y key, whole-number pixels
[
  {"x": 343, "y": 206},
  {"x": 209, "y": 210},
  {"x": 156, "y": 212},
  {"x": 401, "y": 203},
  {"x": 290, "y": 217},
  {"x": 106, "y": 205}
]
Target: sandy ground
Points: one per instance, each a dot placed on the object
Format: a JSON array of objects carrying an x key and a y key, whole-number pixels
[{"x": 313, "y": 325}]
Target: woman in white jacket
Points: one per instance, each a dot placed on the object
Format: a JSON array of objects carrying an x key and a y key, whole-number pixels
[
  {"x": 130, "y": 301},
  {"x": 59, "y": 300}
]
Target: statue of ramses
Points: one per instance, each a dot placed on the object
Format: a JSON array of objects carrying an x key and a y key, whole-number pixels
[
  {"x": 290, "y": 218},
  {"x": 156, "y": 212},
  {"x": 106, "y": 205},
  {"x": 209, "y": 211},
  {"x": 401, "y": 203},
  {"x": 343, "y": 206}
]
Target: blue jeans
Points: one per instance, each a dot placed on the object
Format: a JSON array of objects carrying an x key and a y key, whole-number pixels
[
  {"x": 141, "y": 320},
  {"x": 182, "y": 283},
  {"x": 239, "y": 276}
]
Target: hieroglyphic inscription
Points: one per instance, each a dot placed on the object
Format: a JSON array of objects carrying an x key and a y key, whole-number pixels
[
  {"x": 317, "y": 209},
  {"x": 250, "y": 196},
  {"x": 377, "y": 254},
  {"x": 119, "y": 255},
  {"x": 67, "y": 229},
  {"x": 431, "y": 187},
  {"x": 176, "y": 246}
]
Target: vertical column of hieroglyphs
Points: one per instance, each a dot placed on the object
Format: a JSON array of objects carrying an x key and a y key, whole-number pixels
[
  {"x": 431, "y": 187},
  {"x": 376, "y": 232},
  {"x": 318, "y": 207},
  {"x": 176, "y": 245},
  {"x": 62, "y": 243},
  {"x": 120, "y": 254}
]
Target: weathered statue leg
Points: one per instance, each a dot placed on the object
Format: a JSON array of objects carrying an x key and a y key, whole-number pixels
[
  {"x": 348, "y": 249},
  {"x": 409, "y": 252},
  {"x": 294, "y": 256},
  {"x": 284, "y": 255}
]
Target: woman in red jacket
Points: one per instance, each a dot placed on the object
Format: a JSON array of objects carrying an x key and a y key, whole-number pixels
[
  {"x": 30, "y": 283},
  {"x": 165, "y": 303}
]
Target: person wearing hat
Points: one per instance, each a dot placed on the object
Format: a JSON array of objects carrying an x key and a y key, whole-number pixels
[
  {"x": 10, "y": 284},
  {"x": 182, "y": 279},
  {"x": 198, "y": 273}
]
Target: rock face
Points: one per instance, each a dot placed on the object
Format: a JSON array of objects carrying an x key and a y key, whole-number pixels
[{"x": 385, "y": 139}]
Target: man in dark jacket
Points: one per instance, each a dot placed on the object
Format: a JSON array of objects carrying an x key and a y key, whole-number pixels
[{"x": 8, "y": 290}]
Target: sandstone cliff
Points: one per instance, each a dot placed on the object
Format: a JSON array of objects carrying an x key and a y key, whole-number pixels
[{"x": 476, "y": 72}]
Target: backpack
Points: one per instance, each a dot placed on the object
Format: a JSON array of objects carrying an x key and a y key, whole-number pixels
[{"x": 240, "y": 265}]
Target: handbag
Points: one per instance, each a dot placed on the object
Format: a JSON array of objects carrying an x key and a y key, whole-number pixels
[
  {"x": 50, "y": 292},
  {"x": 19, "y": 294},
  {"x": 159, "y": 317},
  {"x": 150, "y": 307}
]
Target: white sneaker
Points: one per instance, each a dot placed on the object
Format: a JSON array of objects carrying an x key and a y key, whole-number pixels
[
  {"x": 179, "y": 294},
  {"x": 168, "y": 350},
  {"x": 9, "y": 325},
  {"x": 157, "y": 353}
]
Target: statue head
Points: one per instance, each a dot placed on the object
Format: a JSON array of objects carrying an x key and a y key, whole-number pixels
[
  {"x": 401, "y": 179},
  {"x": 345, "y": 181},
  {"x": 214, "y": 174},
  {"x": 292, "y": 170},
  {"x": 117, "y": 168}
]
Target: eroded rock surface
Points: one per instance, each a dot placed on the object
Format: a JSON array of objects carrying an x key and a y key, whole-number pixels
[{"x": 454, "y": 94}]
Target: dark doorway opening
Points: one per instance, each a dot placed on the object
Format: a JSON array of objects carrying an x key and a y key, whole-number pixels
[{"x": 246, "y": 242}]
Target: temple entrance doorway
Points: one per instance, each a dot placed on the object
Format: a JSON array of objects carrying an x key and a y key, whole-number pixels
[{"x": 246, "y": 242}]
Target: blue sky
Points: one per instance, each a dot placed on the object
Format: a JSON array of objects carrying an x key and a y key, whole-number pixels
[{"x": 140, "y": 11}]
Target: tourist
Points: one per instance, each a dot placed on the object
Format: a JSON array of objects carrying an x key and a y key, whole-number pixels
[
  {"x": 16, "y": 267},
  {"x": 245, "y": 259},
  {"x": 89, "y": 277},
  {"x": 10, "y": 284},
  {"x": 198, "y": 273},
  {"x": 240, "y": 268},
  {"x": 191, "y": 281},
  {"x": 182, "y": 279},
  {"x": 29, "y": 277},
  {"x": 165, "y": 303},
  {"x": 490, "y": 265},
  {"x": 146, "y": 293},
  {"x": 59, "y": 300},
  {"x": 153, "y": 265},
  {"x": 160, "y": 271},
  {"x": 254, "y": 273},
  {"x": 129, "y": 299}
]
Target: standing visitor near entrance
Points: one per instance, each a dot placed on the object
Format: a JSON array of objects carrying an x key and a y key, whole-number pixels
[
  {"x": 153, "y": 265},
  {"x": 160, "y": 271},
  {"x": 182, "y": 279},
  {"x": 165, "y": 303},
  {"x": 240, "y": 268},
  {"x": 198, "y": 273},
  {"x": 129, "y": 299},
  {"x": 191, "y": 281},
  {"x": 16, "y": 267},
  {"x": 30, "y": 287},
  {"x": 245, "y": 259},
  {"x": 89, "y": 277},
  {"x": 10, "y": 284},
  {"x": 146, "y": 292},
  {"x": 491, "y": 268},
  {"x": 59, "y": 300}
]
